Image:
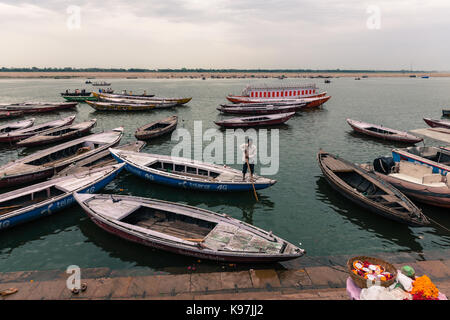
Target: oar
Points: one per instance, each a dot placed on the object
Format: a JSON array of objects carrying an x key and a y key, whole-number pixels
[{"x": 253, "y": 185}]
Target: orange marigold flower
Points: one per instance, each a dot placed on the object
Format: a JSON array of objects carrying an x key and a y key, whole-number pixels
[{"x": 424, "y": 286}]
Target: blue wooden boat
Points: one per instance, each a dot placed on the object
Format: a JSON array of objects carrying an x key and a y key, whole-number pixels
[
  {"x": 45, "y": 198},
  {"x": 187, "y": 173},
  {"x": 436, "y": 157}
]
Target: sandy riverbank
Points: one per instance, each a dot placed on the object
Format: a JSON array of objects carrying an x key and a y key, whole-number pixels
[{"x": 200, "y": 75}]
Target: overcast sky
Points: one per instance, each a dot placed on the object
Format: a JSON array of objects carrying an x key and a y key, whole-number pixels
[{"x": 316, "y": 34}]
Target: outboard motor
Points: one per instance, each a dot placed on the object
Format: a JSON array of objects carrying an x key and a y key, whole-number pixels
[{"x": 383, "y": 164}]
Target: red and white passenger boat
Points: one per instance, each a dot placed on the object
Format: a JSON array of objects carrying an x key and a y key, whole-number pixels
[{"x": 262, "y": 93}]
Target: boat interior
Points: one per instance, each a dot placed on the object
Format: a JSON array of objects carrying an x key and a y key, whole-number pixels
[
  {"x": 357, "y": 181},
  {"x": 72, "y": 151},
  {"x": 431, "y": 153},
  {"x": 8, "y": 129},
  {"x": 33, "y": 197},
  {"x": 181, "y": 226},
  {"x": 181, "y": 169},
  {"x": 156, "y": 126},
  {"x": 379, "y": 130},
  {"x": 420, "y": 174},
  {"x": 61, "y": 132}
]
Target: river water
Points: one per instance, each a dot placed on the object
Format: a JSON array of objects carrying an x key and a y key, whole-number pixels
[{"x": 301, "y": 207}]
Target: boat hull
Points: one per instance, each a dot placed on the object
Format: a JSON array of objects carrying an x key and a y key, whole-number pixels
[
  {"x": 79, "y": 99},
  {"x": 436, "y": 124},
  {"x": 122, "y": 107},
  {"x": 259, "y": 111},
  {"x": 405, "y": 138},
  {"x": 354, "y": 197},
  {"x": 240, "y": 124},
  {"x": 186, "y": 184},
  {"x": 142, "y": 134},
  {"x": 61, "y": 202},
  {"x": 316, "y": 102},
  {"x": 42, "y": 108}
]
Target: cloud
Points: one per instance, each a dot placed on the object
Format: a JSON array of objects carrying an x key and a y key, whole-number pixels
[{"x": 226, "y": 33}]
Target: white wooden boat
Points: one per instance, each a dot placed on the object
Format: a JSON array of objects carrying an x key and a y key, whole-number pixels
[
  {"x": 186, "y": 173},
  {"x": 43, "y": 164},
  {"x": 45, "y": 198},
  {"x": 21, "y": 134},
  {"x": 59, "y": 134},
  {"x": 18, "y": 125},
  {"x": 184, "y": 229}
]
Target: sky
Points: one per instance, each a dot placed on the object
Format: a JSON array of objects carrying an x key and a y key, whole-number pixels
[{"x": 266, "y": 34}]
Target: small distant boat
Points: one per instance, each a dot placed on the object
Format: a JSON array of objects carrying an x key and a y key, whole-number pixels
[
  {"x": 266, "y": 109},
  {"x": 78, "y": 96},
  {"x": 425, "y": 77},
  {"x": 266, "y": 120},
  {"x": 21, "y": 134},
  {"x": 31, "y": 107},
  {"x": 369, "y": 191},
  {"x": 112, "y": 106},
  {"x": 381, "y": 132},
  {"x": 187, "y": 173},
  {"x": 412, "y": 76},
  {"x": 14, "y": 126},
  {"x": 445, "y": 112},
  {"x": 357, "y": 78},
  {"x": 45, "y": 163},
  {"x": 10, "y": 114},
  {"x": 88, "y": 82},
  {"x": 101, "y": 84},
  {"x": 415, "y": 180},
  {"x": 58, "y": 134},
  {"x": 436, "y": 157},
  {"x": 156, "y": 128},
  {"x": 327, "y": 81},
  {"x": 46, "y": 198},
  {"x": 437, "y": 123},
  {"x": 185, "y": 230}
]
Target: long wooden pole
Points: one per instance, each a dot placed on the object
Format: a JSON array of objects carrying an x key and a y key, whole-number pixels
[{"x": 251, "y": 173}]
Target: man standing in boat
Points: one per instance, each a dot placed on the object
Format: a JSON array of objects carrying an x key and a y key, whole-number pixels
[{"x": 248, "y": 157}]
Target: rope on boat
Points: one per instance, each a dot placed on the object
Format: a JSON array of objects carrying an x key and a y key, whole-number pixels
[{"x": 440, "y": 225}]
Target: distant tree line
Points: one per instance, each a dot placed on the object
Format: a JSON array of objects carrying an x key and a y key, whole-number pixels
[{"x": 199, "y": 70}]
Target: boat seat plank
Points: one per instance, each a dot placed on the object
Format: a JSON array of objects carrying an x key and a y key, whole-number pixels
[
  {"x": 121, "y": 208},
  {"x": 336, "y": 165}
]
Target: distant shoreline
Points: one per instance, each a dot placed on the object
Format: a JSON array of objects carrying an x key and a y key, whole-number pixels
[{"x": 207, "y": 75}]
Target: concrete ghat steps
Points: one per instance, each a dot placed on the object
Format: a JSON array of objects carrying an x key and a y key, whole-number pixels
[{"x": 316, "y": 282}]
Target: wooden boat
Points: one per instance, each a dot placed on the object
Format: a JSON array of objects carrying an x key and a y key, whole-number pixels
[
  {"x": 381, "y": 132},
  {"x": 236, "y": 100},
  {"x": 315, "y": 102},
  {"x": 44, "y": 164},
  {"x": 78, "y": 96},
  {"x": 31, "y": 131},
  {"x": 159, "y": 104},
  {"x": 185, "y": 230},
  {"x": 266, "y": 120},
  {"x": 178, "y": 101},
  {"x": 437, "y": 123},
  {"x": 368, "y": 191},
  {"x": 187, "y": 173},
  {"x": 131, "y": 95},
  {"x": 99, "y": 160},
  {"x": 436, "y": 157},
  {"x": 111, "y": 106},
  {"x": 37, "y": 107},
  {"x": 18, "y": 125},
  {"x": 156, "y": 128},
  {"x": 265, "y": 93},
  {"x": 445, "y": 112},
  {"x": 415, "y": 180},
  {"x": 10, "y": 114},
  {"x": 45, "y": 198},
  {"x": 101, "y": 84},
  {"x": 58, "y": 134},
  {"x": 261, "y": 110},
  {"x": 293, "y": 102}
]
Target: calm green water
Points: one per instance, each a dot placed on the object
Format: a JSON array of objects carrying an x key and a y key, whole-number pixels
[{"x": 301, "y": 207}]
